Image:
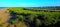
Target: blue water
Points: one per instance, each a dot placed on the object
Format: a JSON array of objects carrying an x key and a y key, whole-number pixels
[{"x": 2, "y": 7}]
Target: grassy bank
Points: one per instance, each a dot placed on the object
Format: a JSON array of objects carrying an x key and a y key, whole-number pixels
[{"x": 34, "y": 17}]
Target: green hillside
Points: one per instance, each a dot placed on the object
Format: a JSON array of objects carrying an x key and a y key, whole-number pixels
[{"x": 35, "y": 18}]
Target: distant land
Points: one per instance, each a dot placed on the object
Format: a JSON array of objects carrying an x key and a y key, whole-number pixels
[{"x": 47, "y": 7}]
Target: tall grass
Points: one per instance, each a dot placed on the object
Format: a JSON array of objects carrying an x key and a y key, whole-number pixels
[{"x": 37, "y": 16}]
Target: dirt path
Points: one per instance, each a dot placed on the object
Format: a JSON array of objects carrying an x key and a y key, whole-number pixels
[{"x": 4, "y": 15}]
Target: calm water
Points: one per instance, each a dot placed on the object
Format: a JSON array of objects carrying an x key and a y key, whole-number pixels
[{"x": 2, "y": 7}]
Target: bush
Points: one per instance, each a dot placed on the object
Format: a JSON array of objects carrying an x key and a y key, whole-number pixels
[
  {"x": 15, "y": 21},
  {"x": 38, "y": 22}
]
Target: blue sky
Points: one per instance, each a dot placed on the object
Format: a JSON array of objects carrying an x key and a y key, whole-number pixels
[{"x": 29, "y": 3}]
